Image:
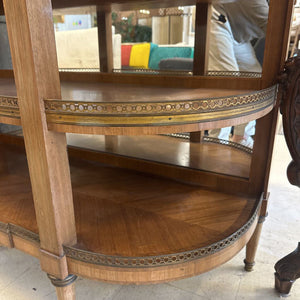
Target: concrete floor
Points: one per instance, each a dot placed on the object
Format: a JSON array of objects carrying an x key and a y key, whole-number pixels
[{"x": 22, "y": 279}]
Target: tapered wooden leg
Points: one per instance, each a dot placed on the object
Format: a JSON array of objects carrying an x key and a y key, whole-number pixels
[
  {"x": 251, "y": 247},
  {"x": 65, "y": 288},
  {"x": 287, "y": 271}
]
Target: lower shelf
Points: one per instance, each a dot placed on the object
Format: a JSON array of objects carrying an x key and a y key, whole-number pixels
[{"x": 131, "y": 227}]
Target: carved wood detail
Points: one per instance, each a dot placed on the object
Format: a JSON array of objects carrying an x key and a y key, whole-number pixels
[
  {"x": 287, "y": 271},
  {"x": 288, "y": 268},
  {"x": 290, "y": 109}
]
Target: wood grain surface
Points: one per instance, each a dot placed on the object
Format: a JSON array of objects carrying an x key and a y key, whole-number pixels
[
  {"x": 126, "y": 213},
  {"x": 118, "y": 92}
]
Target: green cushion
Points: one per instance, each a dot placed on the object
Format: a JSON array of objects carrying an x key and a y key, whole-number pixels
[
  {"x": 159, "y": 53},
  {"x": 192, "y": 53}
]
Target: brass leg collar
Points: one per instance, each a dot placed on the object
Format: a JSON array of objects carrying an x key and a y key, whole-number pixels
[
  {"x": 62, "y": 282},
  {"x": 248, "y": 266},
  {"x": 262, "y": 218}
]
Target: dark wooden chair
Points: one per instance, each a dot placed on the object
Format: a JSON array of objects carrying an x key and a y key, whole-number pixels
[{"x": 288, "y": 268}]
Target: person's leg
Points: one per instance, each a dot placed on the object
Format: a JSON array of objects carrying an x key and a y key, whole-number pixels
[
  {"x": 221, "y": 55},
  {"x": 243, "y": 132},
  {"x": 246, "y": 57},
  {"x": 220, "y": 133},
  {"x": 221, "y": 47},
  {"x": 247, "y": 61}
]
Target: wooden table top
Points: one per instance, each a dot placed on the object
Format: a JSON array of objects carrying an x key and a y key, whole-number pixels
[
  {"x": 116, "y": 92},
  {"x": 128, "y": 109}
]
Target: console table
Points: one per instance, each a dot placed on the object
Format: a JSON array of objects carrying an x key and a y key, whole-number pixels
[{"x": 143, "y": 207}]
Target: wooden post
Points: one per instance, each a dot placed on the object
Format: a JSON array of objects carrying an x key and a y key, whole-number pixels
[
  {"x": 31, "y": 36},
  {"x": 66, "y": 293},
  {"x": 104, "y": 24},
  {"x": 195, "y": 137},
  {"x": 201, "y": 53},
  {"x": 252, "y": 245},
  {"x": 202, "y": 32},
  {"x": 276, "y": 41}
]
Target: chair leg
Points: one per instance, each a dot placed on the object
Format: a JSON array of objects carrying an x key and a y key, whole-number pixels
[
  {"x": 65, "y": 288},
  {"x": 252, "y": 245},
  {"x": 287, "y": 271}
]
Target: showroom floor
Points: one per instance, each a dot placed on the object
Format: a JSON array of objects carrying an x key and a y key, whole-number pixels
[{"x": 22, "y": 279}]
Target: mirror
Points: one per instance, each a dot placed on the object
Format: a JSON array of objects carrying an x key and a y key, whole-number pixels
[
  {"x": 72, "y": 27},
  {"x": 162, "y": 40}
]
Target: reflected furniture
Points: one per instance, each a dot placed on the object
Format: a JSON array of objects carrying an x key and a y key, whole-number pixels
[{"x": 125, "y": 202}]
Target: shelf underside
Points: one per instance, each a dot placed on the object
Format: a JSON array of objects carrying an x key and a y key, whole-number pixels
[
  {"x": 111, "y": 108},
  {"x": 129, "y": 216}
]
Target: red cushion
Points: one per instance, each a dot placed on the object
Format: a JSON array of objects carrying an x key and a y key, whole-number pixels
[{"x": 125, "y": 54}]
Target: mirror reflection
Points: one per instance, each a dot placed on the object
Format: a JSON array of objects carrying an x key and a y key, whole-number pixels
[
  {"x": 152, "y": 40},
  {"x": 76, "y": 37},
  {"x": 242, "y": 134},
  {"x": 237, "y": 38},
  {"x": 163, "y": 39}
]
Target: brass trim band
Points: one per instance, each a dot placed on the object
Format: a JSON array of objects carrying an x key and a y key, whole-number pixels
[
  {"x": 262, "y": 219},
  {"x": 168, "y": 72},
  {"x": 231, "y": 144},
  {"x": 11, "y": 229},
  {"x": 116, "y": 114},
  {"x": 3, "y": 227},
  {"x": 182, "y": 72},
  {"x": 149, "y": 114},
  {"x": 24, "y": 233},
  {"x": 213, "y": 140},
  {"x": 9, "y": 107}
]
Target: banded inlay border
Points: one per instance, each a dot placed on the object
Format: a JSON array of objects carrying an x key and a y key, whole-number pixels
[
  {"x": 9, "y": 106},
  {"x": 159, "y": 107},
  {"x": 11, "y": 229}
]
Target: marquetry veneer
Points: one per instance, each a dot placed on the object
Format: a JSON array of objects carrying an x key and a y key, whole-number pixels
[{"x": 130, "y": 223}]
